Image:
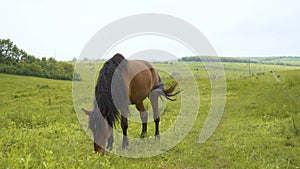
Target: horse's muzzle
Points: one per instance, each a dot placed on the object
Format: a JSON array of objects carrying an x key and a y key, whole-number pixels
[{"x": 99, "y": 149}]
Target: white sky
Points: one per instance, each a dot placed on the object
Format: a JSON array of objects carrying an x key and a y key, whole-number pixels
[{"x": 234, "y": 27}]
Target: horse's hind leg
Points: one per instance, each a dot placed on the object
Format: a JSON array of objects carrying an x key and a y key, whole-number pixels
[
  {"x": 154, "y": 102},
  {"x": 144, "y": 117},
  {"x": 124, "y": 125}
]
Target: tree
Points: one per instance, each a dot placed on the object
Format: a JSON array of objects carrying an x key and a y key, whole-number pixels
[{"x": 5, "y": 50}]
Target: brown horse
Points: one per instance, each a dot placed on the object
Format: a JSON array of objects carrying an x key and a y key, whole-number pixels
[{"x": 122, "y": 82}]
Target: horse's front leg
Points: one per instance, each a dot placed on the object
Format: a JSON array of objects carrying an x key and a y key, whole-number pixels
[
  {"x": 110, "y": 141},
  {"x": 124, "y": 125}
]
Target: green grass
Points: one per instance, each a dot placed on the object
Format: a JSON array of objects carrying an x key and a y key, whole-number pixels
[{"x": 260, "y": 127}]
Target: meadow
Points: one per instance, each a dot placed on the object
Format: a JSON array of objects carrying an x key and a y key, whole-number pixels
[{"x": 260, "y": 127}]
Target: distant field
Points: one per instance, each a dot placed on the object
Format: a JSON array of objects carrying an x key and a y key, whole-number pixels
[{"x": 260, "y": 127}]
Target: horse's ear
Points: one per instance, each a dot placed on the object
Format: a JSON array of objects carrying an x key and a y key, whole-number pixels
[{"x": 86, "y": 111}]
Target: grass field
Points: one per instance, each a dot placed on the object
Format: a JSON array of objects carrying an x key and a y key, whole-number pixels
[{"x": 260, "y": 127}]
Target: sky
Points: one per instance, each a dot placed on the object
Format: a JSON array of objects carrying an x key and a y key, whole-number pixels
[{"x": 61, "y": 28}]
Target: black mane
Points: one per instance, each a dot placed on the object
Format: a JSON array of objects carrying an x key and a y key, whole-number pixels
[{"x": 103, "y": 93}]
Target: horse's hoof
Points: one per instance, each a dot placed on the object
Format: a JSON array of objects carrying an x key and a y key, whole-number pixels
[
  {"x": 143, "y": 135},
  {"x": 125, "y": 144},
  {"x": 109, "y": 148}
]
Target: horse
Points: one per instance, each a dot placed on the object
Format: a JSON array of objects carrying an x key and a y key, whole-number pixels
[{"x": 122, "y": 82}]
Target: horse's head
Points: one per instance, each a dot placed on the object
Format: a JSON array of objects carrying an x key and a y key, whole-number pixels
[{"x": 100, "y": 128}]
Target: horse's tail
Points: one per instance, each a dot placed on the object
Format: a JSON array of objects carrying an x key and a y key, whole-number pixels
[{"x": 168, "y": 93}]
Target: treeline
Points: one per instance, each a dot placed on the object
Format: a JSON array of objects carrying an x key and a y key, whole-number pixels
[
  {"x": 215, "y": 59},
  {"x": 16, "y": 61},
  {"x": 281, "y": 60},
  {"x": 278, "y": 58}
]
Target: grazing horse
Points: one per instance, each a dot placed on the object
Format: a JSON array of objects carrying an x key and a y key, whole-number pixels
[{"x": 122, "y": 82}]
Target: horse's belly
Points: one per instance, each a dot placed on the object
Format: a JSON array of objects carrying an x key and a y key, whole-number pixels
[{"x": 139, "y": 90}]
